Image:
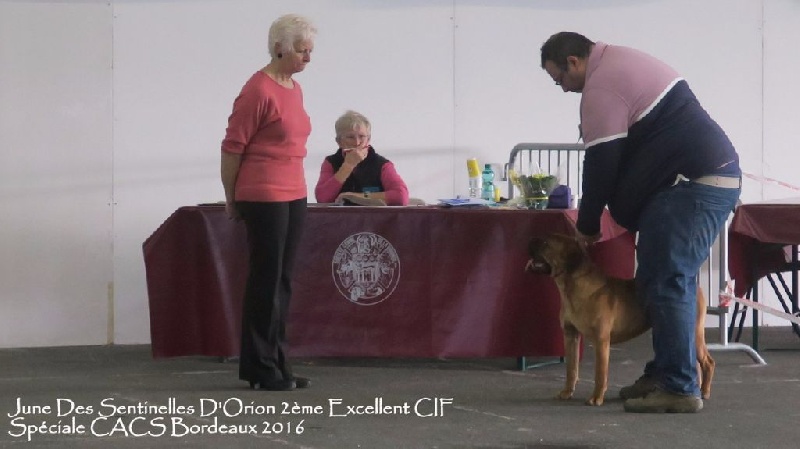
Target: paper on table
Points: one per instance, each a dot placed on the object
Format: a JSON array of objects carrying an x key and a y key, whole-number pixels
[{"x": 465, "y": 202}]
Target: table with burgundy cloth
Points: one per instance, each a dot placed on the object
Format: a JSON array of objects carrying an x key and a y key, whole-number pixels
[
  {"x": 763, "y": 240},
  {"x": 373, "y": 282}
]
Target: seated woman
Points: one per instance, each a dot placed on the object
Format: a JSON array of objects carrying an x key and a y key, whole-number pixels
[{"x": 356, "y": 170}]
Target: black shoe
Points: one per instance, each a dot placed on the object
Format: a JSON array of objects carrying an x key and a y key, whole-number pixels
[
  {"x": 274, "y": 385},
  {"x": 302, "y": 382}
]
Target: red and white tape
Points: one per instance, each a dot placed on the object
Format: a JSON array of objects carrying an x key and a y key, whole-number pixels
[
  {"x": 726, "y": 296},
  {"x": 765, "y": 180}
]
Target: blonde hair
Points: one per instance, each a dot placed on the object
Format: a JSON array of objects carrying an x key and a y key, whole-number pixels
[
  {"x": 348, "y": 122},
  {"x": 288, "y": 29}
]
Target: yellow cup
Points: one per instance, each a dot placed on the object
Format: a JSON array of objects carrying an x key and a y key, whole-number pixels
[
  {"x": 472, "y": 168},
  {"x": 496, "y": 194}
]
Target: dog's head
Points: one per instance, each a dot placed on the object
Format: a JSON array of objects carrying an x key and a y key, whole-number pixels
[{"x": 555, "y": 255}]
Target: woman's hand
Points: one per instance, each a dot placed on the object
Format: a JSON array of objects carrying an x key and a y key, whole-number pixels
[
  {"x": 232, "y": 211},
  {"x": 354, "y": 156},
  {"x": 347, "y": 195}
]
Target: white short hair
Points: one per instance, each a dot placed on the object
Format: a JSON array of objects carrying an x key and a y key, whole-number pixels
[
  {"x": 348, "y": 122},
  {"x": 288, "y": 29}
]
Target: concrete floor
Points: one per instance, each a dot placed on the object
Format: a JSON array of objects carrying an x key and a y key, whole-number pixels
[{"x": 454, "y": 403}]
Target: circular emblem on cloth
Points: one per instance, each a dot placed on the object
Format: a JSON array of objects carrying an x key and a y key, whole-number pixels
[{"x": 366, "y": 268}]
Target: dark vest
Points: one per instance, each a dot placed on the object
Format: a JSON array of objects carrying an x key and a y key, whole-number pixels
[{"x": 366, "y": 177}]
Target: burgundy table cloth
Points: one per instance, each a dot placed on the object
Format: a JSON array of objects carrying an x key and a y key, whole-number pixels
[
  {"x": 373, "y": 282},
  {"x": 757, "y": 240}
]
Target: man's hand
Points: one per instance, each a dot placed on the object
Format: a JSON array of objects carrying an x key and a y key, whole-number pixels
[{"x": 587, "y": 240}]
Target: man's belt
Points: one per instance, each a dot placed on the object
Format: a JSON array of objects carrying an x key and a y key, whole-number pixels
[{"x": 726, "y": 182}]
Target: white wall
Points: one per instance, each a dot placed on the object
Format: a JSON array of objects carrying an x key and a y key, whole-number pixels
[
  {"x": 111, "y": 115},
  {"x": 779, "y": 156},
  {"x": 55, "y": 173}
]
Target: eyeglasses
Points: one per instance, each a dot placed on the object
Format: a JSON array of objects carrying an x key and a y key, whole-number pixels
[
  {"x": 355, "y": 136},
  {"x": 560, "y": 79}
]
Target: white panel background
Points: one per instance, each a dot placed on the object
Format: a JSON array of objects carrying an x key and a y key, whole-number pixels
[
  {"x": 111, "y": 115},
  {"x": 779, "y": 158},
  {"x": 503, "y": 97},
  {"x": 55, "y": 173}
]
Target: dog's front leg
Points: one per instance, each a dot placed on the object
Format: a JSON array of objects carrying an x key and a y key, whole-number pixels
[
  {"x": 571, "y": 341},
  {"x": 602, "y": 352}
]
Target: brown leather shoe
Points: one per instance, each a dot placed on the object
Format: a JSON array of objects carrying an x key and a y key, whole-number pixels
[
  {"x": 660, "y": 401},
  {"x": 639, "y": 389}
]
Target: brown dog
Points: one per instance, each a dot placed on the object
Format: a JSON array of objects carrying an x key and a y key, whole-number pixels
[{"x": 603, "y": 309}]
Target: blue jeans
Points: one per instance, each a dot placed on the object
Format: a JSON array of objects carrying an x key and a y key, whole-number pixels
[{"x": 676, "y": 231}]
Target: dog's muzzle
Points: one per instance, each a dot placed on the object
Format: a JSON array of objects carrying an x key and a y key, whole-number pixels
[
  {"x": 536, "y": 263},
  {"x": 538, "y": 266}
]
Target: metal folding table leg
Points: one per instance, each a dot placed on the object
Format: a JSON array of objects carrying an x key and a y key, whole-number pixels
[
  {"x": 522, "y": 363},
  {"x": 722, "y": 312},
  {"x": 724, "y": 345}
]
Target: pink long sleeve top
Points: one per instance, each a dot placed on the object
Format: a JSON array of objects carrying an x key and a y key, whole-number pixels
[{"x": 269, "y": 128}]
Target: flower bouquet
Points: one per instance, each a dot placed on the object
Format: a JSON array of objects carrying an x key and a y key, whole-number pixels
[{"x": 535, "y": 189}]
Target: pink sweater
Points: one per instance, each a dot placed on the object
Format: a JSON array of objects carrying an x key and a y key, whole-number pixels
[{"x": 269, "y": 127}]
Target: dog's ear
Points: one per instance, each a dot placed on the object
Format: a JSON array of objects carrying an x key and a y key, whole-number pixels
[{"x": 574, "y": 258}]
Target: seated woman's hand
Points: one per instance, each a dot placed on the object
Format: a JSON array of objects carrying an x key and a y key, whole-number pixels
[
  {"x": 354, "y": 156},
  {"x": 347, "y": 195}
]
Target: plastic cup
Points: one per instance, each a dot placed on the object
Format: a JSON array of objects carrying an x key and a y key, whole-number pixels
[{"x": 472, "y": 168}]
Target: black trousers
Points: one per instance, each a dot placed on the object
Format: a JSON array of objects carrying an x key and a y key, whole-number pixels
[{"x": 273, "y": 235}]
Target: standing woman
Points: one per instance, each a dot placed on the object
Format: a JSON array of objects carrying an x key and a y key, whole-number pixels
[{"x": 264, "y": 180}]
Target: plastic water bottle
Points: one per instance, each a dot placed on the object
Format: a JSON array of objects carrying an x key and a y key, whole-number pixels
[
  {"x": 474, "y": 177},
  {"x": 474, "y": 187},
  {"x": 487, "y": 191}
]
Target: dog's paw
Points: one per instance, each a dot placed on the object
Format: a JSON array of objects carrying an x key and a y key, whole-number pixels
[
  {"x": 565, "y": 394},
  {"x": 594, "y": 400}
]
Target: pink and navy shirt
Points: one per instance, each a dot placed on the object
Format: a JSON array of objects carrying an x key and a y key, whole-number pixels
[{"x": 642, "y": 126}]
